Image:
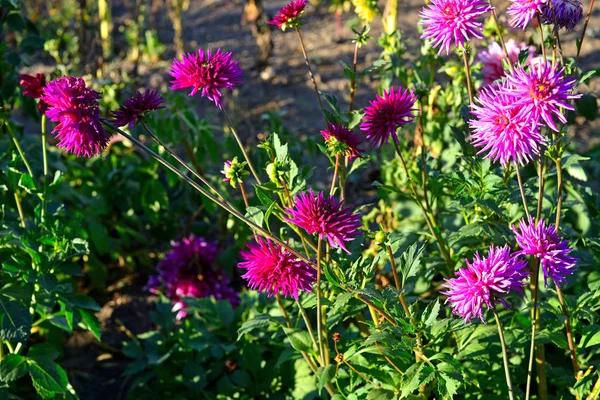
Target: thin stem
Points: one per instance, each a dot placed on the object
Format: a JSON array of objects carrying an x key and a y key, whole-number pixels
[
  {"x": 335, "y": 174},
  {"x": 522, "y": 190},
  {"x": 214, "y": 199},
  {"x": 540, "y": 188},
  {"x": 585, "y": 25},
  {"x": 319, "y": 310},
  {"x": 45, "y": 162},
  {"x": 190, "y": 153},
  {"x": 244, "y": 194},
  {"x": 467, "y": 73},
  {"x": 539, "y": 20},
  {"x": 308, "y": 324},
  {"x": 565, "y": 311},
  {"x": 535, "y": 279},
  {"x": 1, "y": 349},
  {"x": 237, "y": 138},
  {"x": 397, "y": 280},
  {"x": 353, "y": 80},
  {"x": 312, "y": 77},
  {"x": 283, "y": 310},
  {"x": 504, "y": 355},
  {"x": 17, "y": 145},
  {"x": 20, "y": 210},
  {"x": 499, "y": 33},
  {"x": 369, "y": 303},
  {"x": 559, "y": 190},
  {"x": 423, "y": 164},
  {"x": 388, "y": 359}
]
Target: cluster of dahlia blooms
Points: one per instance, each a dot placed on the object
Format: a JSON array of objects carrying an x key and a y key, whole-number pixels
[
  {"x": 188, "y": 270},
  {"x": 509, "y": 116}
]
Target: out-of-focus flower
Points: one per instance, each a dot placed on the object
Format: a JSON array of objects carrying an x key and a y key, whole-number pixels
[
  {"x": 452, "y": 20},
  {"x": 564, "y": 13},
  {"x": 341, "y": 140},
  {"x": 188, "y": 271},
  {"x": 234, "y": 171},
  {"x": 491, "y": 59},
  {"x": 365, "y": 9},
  {"x": 501, "y": 130},
  {"x": 485, "y": 281},
  {"x": 134, "y": 109},
  {"x": 75, "y": 108},
  {"x": 207, "y": 73},
  {"x": 325, "y": 217},
  {"x": 289, "y": 16},
  {"x": 542, "y": 91},
  {"x": 33, "y": 86},
  {"x": 523, "y": 11},
  {"x": 386, "y": 113},
  {"x": 272, "y": 269},
  {"x": 546, "y": 244}
]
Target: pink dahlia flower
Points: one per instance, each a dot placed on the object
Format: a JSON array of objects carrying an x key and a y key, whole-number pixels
[
  {"x": 491, "y": 59},
  {"x": 341, "y": 140},
  {"x": 486, "y": 281},
  {"x": 75, "y": 108},
  {"x": 523, "y": 11},
  {"x": 564, "y": 13},
  {"x": 501, "y": 130},
  {"x": 207, "y": 73},
  {"x": 453, "y": 20},
  {"x": 542, "y": 91},
  {"x": 289, "y": 16},
  {"x": 134, "y": 109},
  {"x": 325, "y": 217},
  {"x": 272, "y": 269},
  {"x": 386, "y": 113},
  {"x": 546, "y": 244}
]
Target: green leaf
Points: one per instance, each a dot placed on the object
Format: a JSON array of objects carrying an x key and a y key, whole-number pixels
[
  {"x": 48, "y": 378},
  {"x": 15, "y": 320},
  {"x": 12, "y": 367},
  {"x": 256, "y": 215},
  {"x": 587, "y": 106},
  {"x": 258, "y": 321},
  {"x": 324, "y": 376},
  {"x": 26, "y": 182},
  {"x": 380, "y": 394},
  {"x": 431, "y": 313},
  {"x": 299, "y": 339},
  {"x": 411, "y": 261},
  {"x": 417, "y": 375},
  {"x": 82, "y": 301},
  {"x": 90, "y": 321},
  {"x": 281, "y": 150},
  {"x": 43, "y": 352}
]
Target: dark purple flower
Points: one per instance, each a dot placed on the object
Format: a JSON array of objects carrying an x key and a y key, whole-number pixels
[
  {"x": 207, "y": 73},
  {"x": 486, "y": 281},
  {"x": 523, "y": 11},
  {"x": 501, "y": 130},
  {"x": 33, "y": 86},
  {"x": 272, "y": 269},
  {"x": 452, "y": 20},
  {"x": 542, "y": 91},
  {"x": 564, "y": 13},
  {"x": 341, "y": 140},
  {"x": 289, "y": 16},
  {"x": 325, "y": 217},
  {"x": 546, "y": 244},
  {"x": 188, "y": 271},
  {"x": 135, "y": 108},
  {"x": 75, "y": 108},
  {"x": 386, "y": 113}
]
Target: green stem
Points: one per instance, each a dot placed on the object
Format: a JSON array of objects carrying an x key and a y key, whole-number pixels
[
  {"x": 397, "y": 280},
  {"x": 499, "y": 33},
  {"x": 308, "y": 324},
  {"x": 539, "y": 20},
  {"x": 504, "y": 355},
  {"x": 17, "y": 145},
  {"x": 467, "y": 73},
  {"x": 353, "y": 80},
  {"x": 569, "y": 329},
  {"x": 239, "y": 142},
  {"x": 312, "y": 77},
  {"x": 319, "y": 309},
  {"x": 585, "y": 25},
  {"x": 335, "y": 174},
  {"x": 522, "y": 190},
  {"x": 45, "y": 161},
  {"x": 20, "y": 210}
]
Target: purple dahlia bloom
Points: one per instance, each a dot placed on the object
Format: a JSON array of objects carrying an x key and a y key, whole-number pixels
[
  {"x": 500, "y": 129},
  {"x": 564, "y": 13},
  {"x": 33, "y": 86},
  {"x": 453, "y": 20},
  {"x": 325, "y": 217},
  {"x": 289, "y": 16},
  {"x": 272, "y": 269},
  {"x": 75, "y": 108},
  {"x": 386, "y": 113},
  {"x": 492, "y": 68},
  {"x": 485, "y": 281},
  {"x": 341, "y": 140},
  {"x": 523, "y": 11},
  {"x": 542, "y": 91},
  {"x": 134, "y": 109},
  {"x": 546, "y": 244},
  {"x": 188, "y": 271},
  {"x": 207, "y": 73}
]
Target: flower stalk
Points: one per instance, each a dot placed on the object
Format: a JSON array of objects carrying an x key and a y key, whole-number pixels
[
  {"x": 504, "y": 355},
  {"x": 307, "y": 61}
]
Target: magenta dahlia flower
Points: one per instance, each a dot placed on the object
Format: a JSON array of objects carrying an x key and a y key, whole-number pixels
[
  {"x": 523, "y": 11},
  {"x": 188, "y": 270},
  {"x": 501, "y": 130},
  {"x": 491, "y": 59},
  {"x": 325, "y": 217},
  {"x": 386, "y": 113},
  {"x": 452, "y": 20},
  {"x": 486, "y": 281},
  {"x": 546, "y": 244},
  {"x": 542, "y": 91},
  {"x": 207, "y": 73},
  {"x": 75, "y": 108},
  {"x": 272, "y": 269},
  {"x": 289, "y": 16},
  {"x": 341, "y": 140},
  {"x": 134, "y": 109},
  {"x": 564, "y": 13}
]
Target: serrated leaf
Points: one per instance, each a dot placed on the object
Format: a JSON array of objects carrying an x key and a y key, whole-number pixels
[
  {"x": 48, "y": 378},
  {"x": 15, "y": 320},
  {"x": 431, "y": 313},
  {"x": 417, "y": 375},
  {"x": 411, "y": 261}
]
